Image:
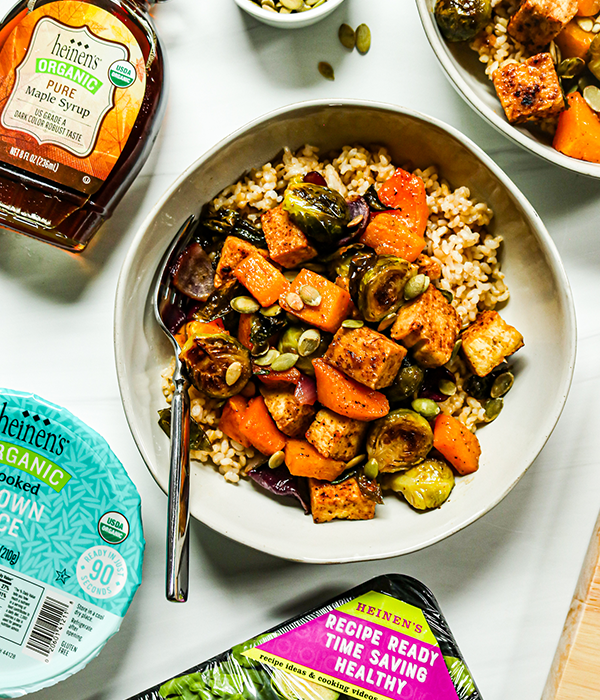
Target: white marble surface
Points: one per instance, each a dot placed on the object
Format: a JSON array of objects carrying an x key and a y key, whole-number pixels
[{"x": 504, "y": 583}]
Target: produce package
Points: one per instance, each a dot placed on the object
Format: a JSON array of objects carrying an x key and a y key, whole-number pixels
[{"x": 386, "y": 639}]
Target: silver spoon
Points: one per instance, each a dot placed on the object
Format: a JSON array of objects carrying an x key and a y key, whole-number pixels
[{"x": 165, "y": 301}]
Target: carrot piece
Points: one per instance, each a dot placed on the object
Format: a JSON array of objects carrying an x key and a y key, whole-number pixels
[
  {"x": 573, "y": 41},
  {"x": 578, "y": 131},
  {"x": 260, "y": 429},
  {"x": 388, "y": 234},
  {"x": 302, "y": 459},
  {"x": 261, "y": 279},
  {"x": 347, "y": 397},
  {"x": 231, "y": 419},
  {"x": 456, "y": 443},
  {"x": 587, "y": 8},
  {"x": 244, "y": 329},
  {"x": 405, "y": 193},
  {"x": 335, "y": 303}
]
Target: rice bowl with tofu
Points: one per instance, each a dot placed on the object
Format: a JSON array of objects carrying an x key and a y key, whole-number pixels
[{"x": 341, "y": 347}]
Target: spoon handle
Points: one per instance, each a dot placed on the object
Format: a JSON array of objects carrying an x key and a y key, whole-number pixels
[{"x": 179, "y": 493}]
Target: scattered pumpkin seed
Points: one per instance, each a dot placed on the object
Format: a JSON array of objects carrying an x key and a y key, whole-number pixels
[
  {"x": 591, "y": 95},
  {"x": 260, "y": 350},
  {"x": 347, "y": 36},
  {"x": 309, "y": 342},
  {"x": 355, "y": 221},
  {"x": 270, "y": 311},
  {"x": 371, "y": 469},
  {"x": 352, "y": 323},
  {"x": 309, "y": 295},
  {"x": 363, "y": 38},
  {"x": 585, "y": 23},
  {"x": 493, "y": 408},
  {"x": 554, "y": 52},
  {"x": 294, "y": 301},
  {"x": 293, "y": 5},
  {"x": 427, "y": 408},
  {"x": 447, "y": 295},
  {"x": 570, "y": 67},
  {"x": 244, "y": 305},
  {"x": 502, "y": 384},
  {"x": 284, "y": 362},
  {"x": 356, "y": 461},
  {"x": 326, "y": 70},
  {"x": 447, "y": 387},
  {"x": 234, "y": 372},
  {"x": 455, "y": 350},
  {"x": 415, "y": 286},
  {"x": 267, "y": 358},
  {"x": 387, "y": 321},
  {"x": 276, "y": 459}
]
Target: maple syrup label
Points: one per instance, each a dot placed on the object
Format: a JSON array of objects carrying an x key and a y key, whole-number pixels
[{"x": 73, "y": 81}]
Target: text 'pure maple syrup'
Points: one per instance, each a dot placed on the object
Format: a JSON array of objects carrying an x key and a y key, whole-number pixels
[{"x": 81, "y": 100}]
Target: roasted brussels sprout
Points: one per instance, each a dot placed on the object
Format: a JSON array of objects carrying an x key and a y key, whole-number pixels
[
  {"x": 262, "y": 328},
  {"x": 461, "y": 20},
  {"x": 427, "y": 485},
  {"x": 372, "y": 199},
  {"x": 218, "y": 365},
  {"x": 228, "y": 222},
  {"x": 399, "y": 440},
  {"x": 218, "y": 304},
  {"x": 320, "y": 212},
  {"x": 338, "y": 264},
  {"x": 198, "y": 438},
  {"x": 407, "y": 383},
  {"x": 382, "y": 285}
]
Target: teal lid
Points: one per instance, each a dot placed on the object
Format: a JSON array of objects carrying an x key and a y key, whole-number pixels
[{"x": 71, "y": 543}]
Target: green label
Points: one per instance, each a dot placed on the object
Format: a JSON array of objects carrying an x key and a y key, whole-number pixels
[
  {"x": 32, "y": 463},
  {"x": 68, "y": 72}
]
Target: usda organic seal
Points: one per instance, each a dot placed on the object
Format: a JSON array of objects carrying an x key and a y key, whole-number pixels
[
  {"x": 122, "y": 74},
  {"x": 71, "y": 543}
]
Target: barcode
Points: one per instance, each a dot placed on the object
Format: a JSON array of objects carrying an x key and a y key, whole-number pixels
[{"x": 47, "y": 627}]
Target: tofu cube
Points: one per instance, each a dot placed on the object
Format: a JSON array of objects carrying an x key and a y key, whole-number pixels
[
  {"x": 233, "y": 252},
  {"x": 290, "y": 416},
  {"x": 428, "y": 266},
  {"x": 488, "y": 341},
  {"x": 430, "y": 325},
  {"x": 366, "y": 356},
  {"x": 344, "y": 501},
  {"x": 537, "y": 22},
  {"x": 288, "y": 246},
  {"x": 335, "y": 436},
  {"x": 529, "y": 90}
]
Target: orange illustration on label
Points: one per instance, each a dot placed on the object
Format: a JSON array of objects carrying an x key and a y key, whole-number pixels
[{"x": 73, "y": 80}]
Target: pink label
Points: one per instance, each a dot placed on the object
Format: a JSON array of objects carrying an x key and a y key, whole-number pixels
[{"x": 362, "y": 656}]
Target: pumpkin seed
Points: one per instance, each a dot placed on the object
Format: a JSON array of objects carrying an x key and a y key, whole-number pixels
[
  {"x": 427, "y": 408},
  {"x": 309, "y": 342},
  {"x": 260, "y": 350},
  {"x": 493, "y": 408},
  {"x": 371, "y": 469},
  {"x": 591, "y": 95},
  {"x": 347, "y": 36},
  {"x": 502, "y": 384},
  {"x": 309, "y": 295},
  {"x": 356, "y": 461},
  {"x": 585, "y": 23},
  {"x": 270, "y": 311},
  {"x": 448, "y": 296},
  {"x": 326, "y": 70},
  {"x": 244, "y": 305},
  {"x": 355, "y": 221},
  {"x": 457, "y": 347},
  {"x": 352, "y": 323},
  {"x": 570, "y": 67},
  {"x": 363, "y": 38},
  {"x": 276, "y": 459},
  {"x": 593, "y": 63},
  {"x": 387, "y": 321},
  {"x": 284, "y": 362},
  {"x": 267, "y": 358},
  {"x": 293, "y": 5},
  {"x": 234, "y": 372},
  {"x": 447, "y": 387},
  {"x": 554, "y": 52},
  {"x": 415, "y": 286},
  {"x": 294, "y": 301},
  {"x": 596, "y": 27}
]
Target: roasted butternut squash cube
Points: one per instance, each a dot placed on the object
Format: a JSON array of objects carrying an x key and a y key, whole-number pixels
[
  {"x": 488, "y": 341},
  {"x": 537, "y": 22},
  {"x": 530, "y": 90},
  {"x": 335, "y": 436},
  {"x": 288, "y": 246},
  {"x": 290, "y": 416},
  {"x": 429, "y": 325},
  {"x": 366, "y": 355},
  {"x": 262, "y": 279},
  {"x": 234, "y": 251},
  {"x": 344, "y": 501},
  {"x": 302, "y": 459}
]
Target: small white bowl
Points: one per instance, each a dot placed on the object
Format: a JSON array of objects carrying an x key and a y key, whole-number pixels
[
  {"x": 466, "y": 73},
  {"x": 540, "y": 306},
  {"x": 294, "y": 20}
]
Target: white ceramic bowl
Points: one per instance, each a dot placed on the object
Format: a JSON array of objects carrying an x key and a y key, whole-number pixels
[
  {"x": 541, "y": 308},
  {"x": 295, "y": 20},
  {"x": 467, "y": 75}
]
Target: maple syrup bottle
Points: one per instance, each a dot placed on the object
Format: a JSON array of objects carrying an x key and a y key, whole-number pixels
[{"x": 82, "y": 95}]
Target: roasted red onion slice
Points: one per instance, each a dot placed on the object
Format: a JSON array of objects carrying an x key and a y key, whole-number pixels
[
  {"x": 193, "y": 274},
  {"x": 315, "y": 178}
]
